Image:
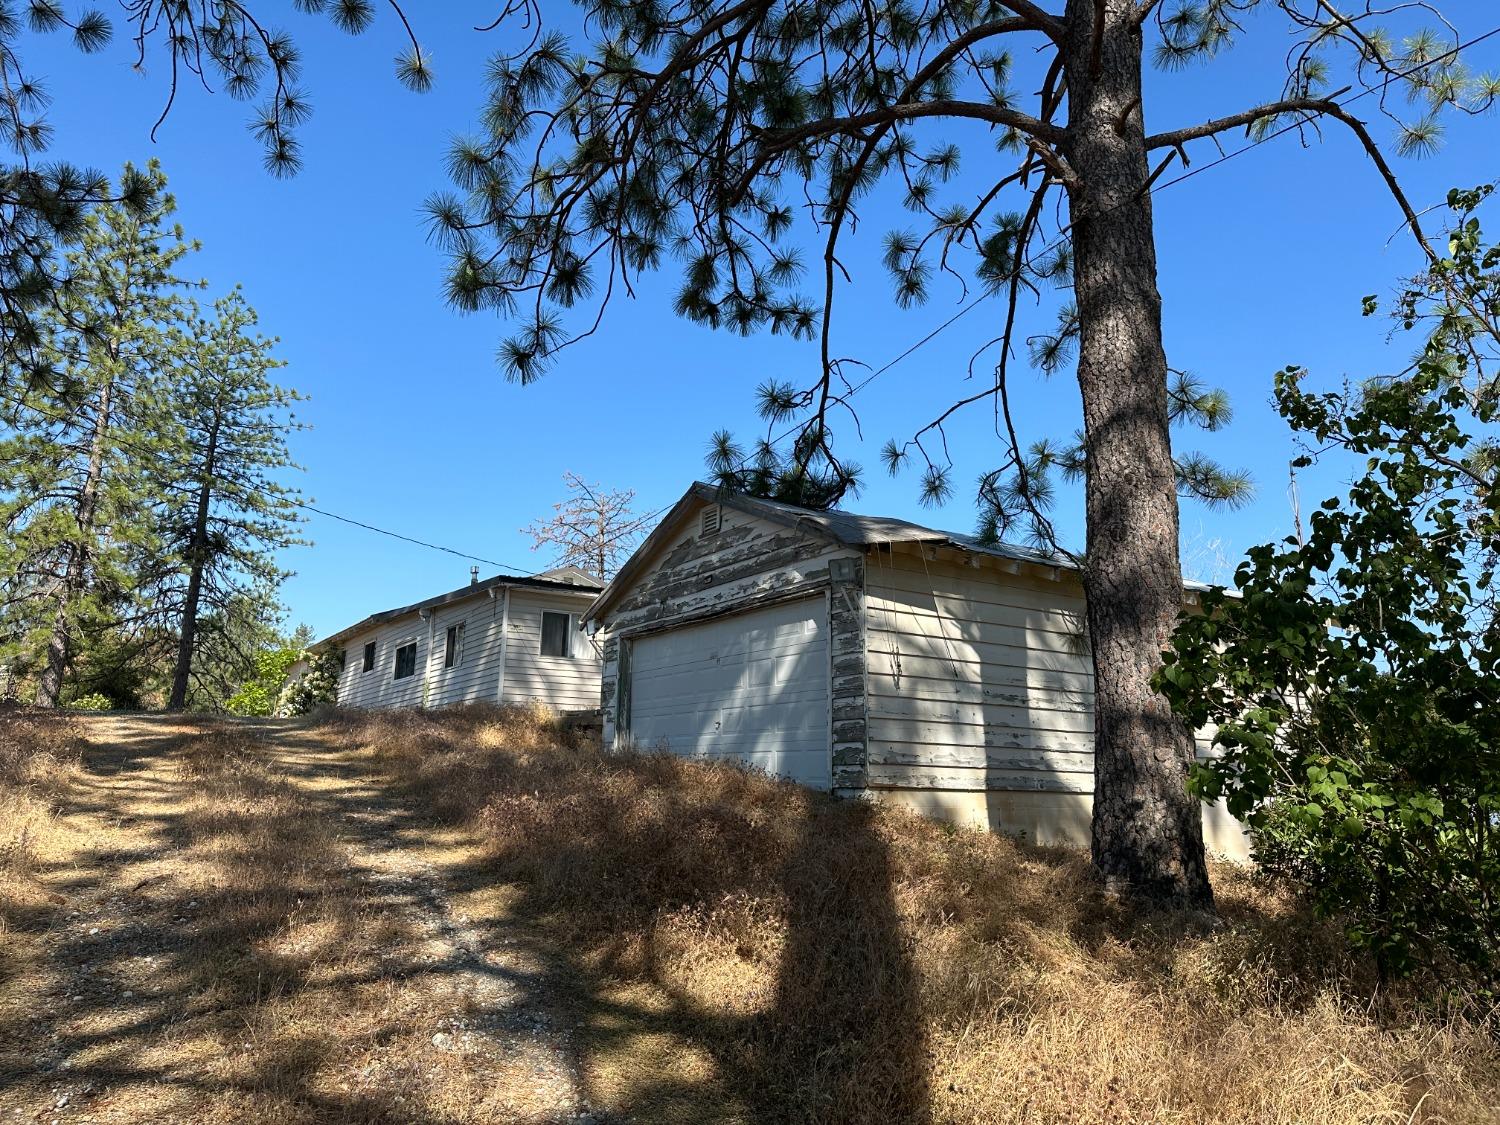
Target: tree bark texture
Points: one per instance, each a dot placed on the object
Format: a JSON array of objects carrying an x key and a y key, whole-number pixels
[
  {"x": 75, "y": 577},
  {"x": 1147, "y": 828},
  {"x": 198, "y": 556}
]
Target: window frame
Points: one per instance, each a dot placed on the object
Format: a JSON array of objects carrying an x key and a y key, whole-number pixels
[
  {"x": 453, "y": 645},
  {"x": 396, "y": 663},
  {"x": 567, "y": 636},
  {"x": 367, "y": 663}
]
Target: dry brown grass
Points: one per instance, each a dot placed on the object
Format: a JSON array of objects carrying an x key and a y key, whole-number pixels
[
  {"x": 237, "y": 925},
  {"x": 39, "y": 756},
  {"x": 227, "y": 922},
  {"x": 814, "y": 960}
]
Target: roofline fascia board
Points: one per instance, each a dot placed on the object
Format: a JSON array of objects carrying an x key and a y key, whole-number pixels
[
  {"x": 452, "y": 597},
  {"x": 1051, "y": 567}
]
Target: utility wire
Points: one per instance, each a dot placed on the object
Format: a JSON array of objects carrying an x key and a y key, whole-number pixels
[
  {"x": 1222, "y": 159},
  {"x": 120, "y": 441},
  {"x": 408, "y": 539},
  {"x": 928, "y": 338}
]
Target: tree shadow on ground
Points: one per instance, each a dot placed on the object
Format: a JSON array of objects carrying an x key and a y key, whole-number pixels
[
  {"x": 228, "y": 945},
  {"x": 801, "y": 1002}
]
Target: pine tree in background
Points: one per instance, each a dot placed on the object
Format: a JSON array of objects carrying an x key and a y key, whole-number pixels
[
  {"x": 225, "y": 509},
  {"x": 594, "y": 529},
  {"x": 76, "y": 468}
]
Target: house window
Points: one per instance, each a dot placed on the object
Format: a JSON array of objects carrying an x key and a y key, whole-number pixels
[
  {"x": 455, "y": 650},
  {"x": 556, "y": 634},
  {"x": 406, "y": 661},
  {"x": 369, "y": 665}
]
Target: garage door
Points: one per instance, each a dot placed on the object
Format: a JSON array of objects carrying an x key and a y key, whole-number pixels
[{"x": 753, "y": 687}]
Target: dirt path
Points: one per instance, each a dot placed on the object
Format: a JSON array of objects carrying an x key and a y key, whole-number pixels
[{"x": 250, "y": 926}]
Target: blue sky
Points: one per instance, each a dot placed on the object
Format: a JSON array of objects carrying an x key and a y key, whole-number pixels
[{"x": 1263, "y": 263}]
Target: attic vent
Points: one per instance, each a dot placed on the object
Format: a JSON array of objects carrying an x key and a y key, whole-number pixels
[{"x": 710, "y": 521}]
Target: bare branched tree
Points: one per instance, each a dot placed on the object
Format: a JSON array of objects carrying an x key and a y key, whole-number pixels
[{"x": 595, "y": 529}]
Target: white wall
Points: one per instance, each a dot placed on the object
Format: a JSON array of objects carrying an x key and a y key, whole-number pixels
[
  {"x": 377, "y": 687},
  {"x": 474, "y": 677},
  {"x": 565, "y": 683},
  {"x": 980, "y": 696}
]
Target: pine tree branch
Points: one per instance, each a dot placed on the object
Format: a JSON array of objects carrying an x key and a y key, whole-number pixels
[{"x": 1176, "y": 138}]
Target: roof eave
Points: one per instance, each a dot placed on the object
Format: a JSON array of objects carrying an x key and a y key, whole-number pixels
[{"x": 452, "y": 597}]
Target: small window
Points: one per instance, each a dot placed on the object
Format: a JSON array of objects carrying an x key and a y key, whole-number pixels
[
  {"x": 369, "y": 665},
  {"x": 406, "y": 661},
  {"x": 557, "y": 635},
  {"x": 454, "y": 653}
]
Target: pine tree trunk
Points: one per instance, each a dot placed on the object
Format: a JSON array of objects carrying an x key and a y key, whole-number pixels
[
  {"x": 75, "y": 577},
  {"x": 198, "y": 554},
  {"x": 1147, "y": 828}
]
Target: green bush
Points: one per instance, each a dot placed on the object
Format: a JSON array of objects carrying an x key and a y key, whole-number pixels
[
  {"x": 95, "y": 701},
  {"x": 1352, "y": 680},
  {"x": 259, "y": 695}
]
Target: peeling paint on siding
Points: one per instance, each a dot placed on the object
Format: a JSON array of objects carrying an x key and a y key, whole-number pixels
[{"x": 750, "y": 564}]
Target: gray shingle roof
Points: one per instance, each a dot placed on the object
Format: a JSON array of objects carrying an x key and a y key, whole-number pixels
[{"x": 856, "y": 530}]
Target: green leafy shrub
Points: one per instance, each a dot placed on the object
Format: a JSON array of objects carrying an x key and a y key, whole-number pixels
[
  {"x": 95, "y": 701},
  {"x": 259, "y": 695},
  {"x": 1352, "y": 680}
]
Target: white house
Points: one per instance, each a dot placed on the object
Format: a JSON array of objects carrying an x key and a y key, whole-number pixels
[
  {"x": 863, "y": 655},
  {"x": 503, "y": 640}
]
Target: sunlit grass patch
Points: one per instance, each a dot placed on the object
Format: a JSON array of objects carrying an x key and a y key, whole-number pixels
[{"x": 827, "y": 960}]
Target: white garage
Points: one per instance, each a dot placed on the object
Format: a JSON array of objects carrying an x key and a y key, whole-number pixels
[
  {"x": 750, "y": 686},
  {"x": 864, "y": 654}
]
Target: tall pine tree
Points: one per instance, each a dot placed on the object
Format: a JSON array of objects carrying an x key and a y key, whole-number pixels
[
  {"x": 84, "y": 435},
  {"x": 721, "y": 134},
  {"x": 225, "y": 509}
]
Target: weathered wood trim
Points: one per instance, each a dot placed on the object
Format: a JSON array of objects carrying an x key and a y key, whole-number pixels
[
  {"x": 504, "y": 639},
  {"x": 979, "y": 780},
  {"x": 609, "y": 685},
  {"x": 848, "y": 690},
  {"x": 724, "y": 609}
]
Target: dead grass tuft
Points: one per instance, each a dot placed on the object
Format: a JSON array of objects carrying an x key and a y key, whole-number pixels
[
  {"x": 839, "y": 961},
  {"x": 39, "y": 756}
]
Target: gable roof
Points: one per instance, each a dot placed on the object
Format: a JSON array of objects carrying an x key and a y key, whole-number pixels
[
  {"x": 848, "y": 528},
  {"x": 564, "y": 580}
]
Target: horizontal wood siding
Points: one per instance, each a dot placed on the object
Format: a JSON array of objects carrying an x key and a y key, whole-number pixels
[
  {"x": 474, "y": 676},
  {"x": 568, "y": 683},
  {"x": 377, "y": 687},
  {"x": 979, "y": 676}
]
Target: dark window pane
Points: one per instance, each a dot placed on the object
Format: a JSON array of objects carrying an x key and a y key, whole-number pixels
[
  {"x": 406, "y": 661},
  {"x": 555, "y": 635},
  {"x": 369, "y": 657},
  {"x": 454, "y": 651}
]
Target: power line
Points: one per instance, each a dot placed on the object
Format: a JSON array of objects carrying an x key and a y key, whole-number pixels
[
  {"x": 1224, "y": 158},
  {"x": 928, "y": 338},
  {"x": 120, "y": 441},
  {"x": 1365, "y": 93},
  {"x": 407, "y": 538}
]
